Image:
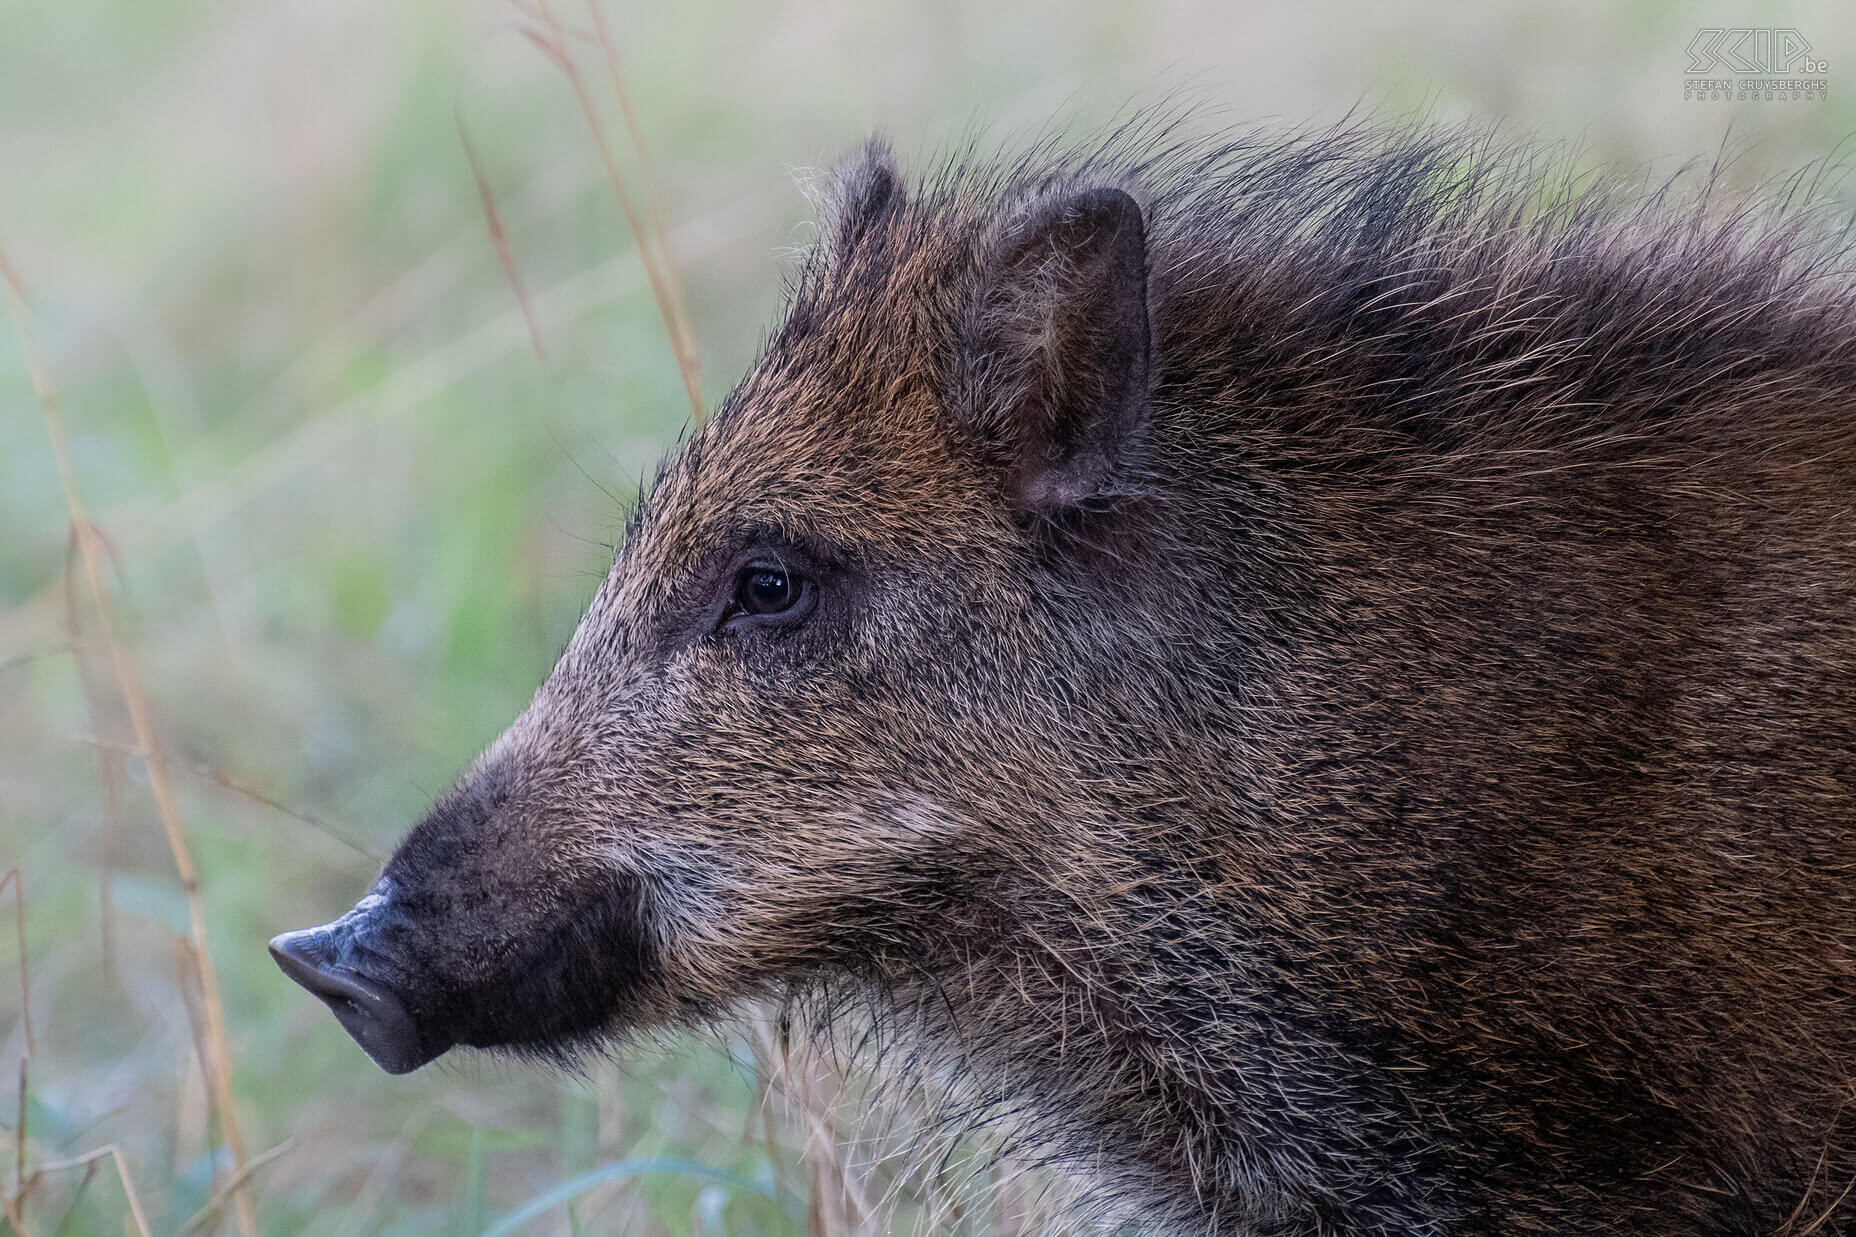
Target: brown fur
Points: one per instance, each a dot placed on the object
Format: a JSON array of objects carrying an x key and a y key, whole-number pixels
[{"x": 1358, "y": 738}]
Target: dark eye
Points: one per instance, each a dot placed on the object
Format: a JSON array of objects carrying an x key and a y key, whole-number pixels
[
  {"x": 768, "y": 590},
  {"x": 768, "y": 594}
]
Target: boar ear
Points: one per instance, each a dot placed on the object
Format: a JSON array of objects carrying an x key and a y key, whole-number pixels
[
  {"x": 1057, "y": 358},
  {"x": 857, "y": 194}
]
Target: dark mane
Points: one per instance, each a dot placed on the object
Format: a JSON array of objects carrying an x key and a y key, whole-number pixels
[{"x": 1462, "y": 281}]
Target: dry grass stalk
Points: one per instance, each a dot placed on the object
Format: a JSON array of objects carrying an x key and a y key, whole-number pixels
[
  {"x": 684, "y": 340},
  {"x": 91, "y": 548},
  {"x": 15, "y": 1202},
  {"x": 838, "y": 1204},
  {"x": 13, "y": 877},
  {"x": 553, "y": 44},
  {"x": 113, "y": 1153},
  {"x": 499, "y": 238},
  {"x": 201, "y": 1218},
  {"x": 11, "y": 278},
  {"x": 206, "y": 772},
  {"x": 49, "y": 649},
  {"x": 109, "y": 763}
]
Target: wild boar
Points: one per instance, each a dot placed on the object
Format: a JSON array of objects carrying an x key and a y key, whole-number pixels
[{"x": 1316, "y": 673}]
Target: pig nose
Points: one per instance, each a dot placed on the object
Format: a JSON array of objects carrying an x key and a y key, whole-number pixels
[{"x": 320, "y": 959}]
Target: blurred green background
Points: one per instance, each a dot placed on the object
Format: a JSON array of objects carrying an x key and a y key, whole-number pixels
[{"x": 351, "y": 514}]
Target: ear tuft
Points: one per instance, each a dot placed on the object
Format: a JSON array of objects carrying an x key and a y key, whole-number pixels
[
  {"x": 1057, "y": 355},
  {"x": 858, "y": 193}
]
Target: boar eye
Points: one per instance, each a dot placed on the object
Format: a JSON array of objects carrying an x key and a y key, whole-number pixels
[
  {"x": 772, "y": 592},
  {"x": 766, "y": 590}
]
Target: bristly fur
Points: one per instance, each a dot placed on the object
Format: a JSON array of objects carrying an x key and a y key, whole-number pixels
[{"x": 1366, "y": 745}]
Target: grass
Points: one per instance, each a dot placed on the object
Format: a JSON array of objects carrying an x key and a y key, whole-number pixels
[{"x": 350, "y": 323}]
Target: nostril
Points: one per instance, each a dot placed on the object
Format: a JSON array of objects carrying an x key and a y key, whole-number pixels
[
  {"x": 301, "y": 956},
  {"x": 367, "y": 1009},
  {"x": 309, "y": 957}
]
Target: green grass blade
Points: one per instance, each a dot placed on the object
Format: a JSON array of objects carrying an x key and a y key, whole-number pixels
[{"x": 618, "y": 1170}]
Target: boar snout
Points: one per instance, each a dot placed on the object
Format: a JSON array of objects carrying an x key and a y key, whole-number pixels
[{"x": 329, "y": 962}]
